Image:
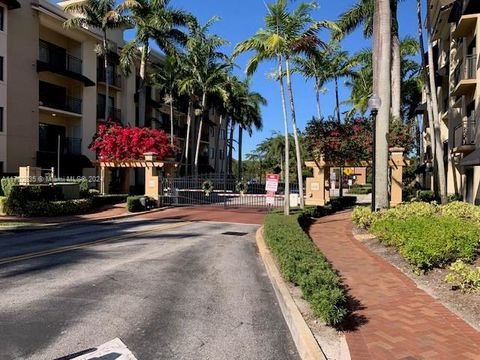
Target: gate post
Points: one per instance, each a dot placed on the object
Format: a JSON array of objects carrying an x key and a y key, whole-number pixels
[
  {"x": 152, "y": 185},
  {"x": 396, "y": 163},
  {"x": 316, "y": 185}
]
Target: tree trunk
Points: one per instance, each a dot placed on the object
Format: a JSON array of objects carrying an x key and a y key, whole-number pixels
[
  {"x": 217, "y": 140},
  {"x": 105, "y": 64},
  {"x": 187, "y": 136},
  {"x": 382, "y": 61},
  {"x": 230, "y": 150},
  {"x": 376, "y": 48},
  {"x": 240, "y": 140},
  {"x": 440, "y": 165},
  {"x": 142, "y": 96},
  {"x": 287, "y": 142},
  {"x": 337, "y": 99},
  {"x": 200, "y": 128},
  {"x": 295, "y": 135},
  {"x": 317, "y": 98},
  {"x": 171, "y": 119},
  {"x": 396, "y": 78}
]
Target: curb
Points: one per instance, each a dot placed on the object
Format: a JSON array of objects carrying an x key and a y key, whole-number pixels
[{"x": 307, "y": 346}]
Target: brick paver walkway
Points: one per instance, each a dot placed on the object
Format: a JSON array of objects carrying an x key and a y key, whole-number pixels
[{"x": 394, "y": 319}]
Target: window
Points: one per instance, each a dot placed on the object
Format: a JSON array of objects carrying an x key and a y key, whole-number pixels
[
  {"x": 1, "y": 119},
  {"x": 1, "y": 68},
  {"x": 2, "y": 18}
]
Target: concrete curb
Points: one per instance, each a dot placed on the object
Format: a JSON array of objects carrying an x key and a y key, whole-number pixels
[{"x": 307, "y": 346}]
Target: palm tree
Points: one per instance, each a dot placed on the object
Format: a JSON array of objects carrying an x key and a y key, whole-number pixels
[
  {"x": 104, "y": 15},
  {"x": 314, "y": 66},
  {"x": 154, "y": 20},
  {"x": 382, "y": 71},
  {"x": 362, "y": 14},
  {"x": 250, "y": 117},
  {"x": 287, "y": 34},
  {"x": 207, "y": 70},
  {"x": 166, "y": 77}
]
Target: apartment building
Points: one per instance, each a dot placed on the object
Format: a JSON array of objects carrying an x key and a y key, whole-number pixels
[
  {"x": 454, "y": 27},
  {"x": 56, "y": 92}
]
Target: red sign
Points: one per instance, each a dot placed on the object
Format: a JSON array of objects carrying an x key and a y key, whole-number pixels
[{"x": 272, "y": 183}]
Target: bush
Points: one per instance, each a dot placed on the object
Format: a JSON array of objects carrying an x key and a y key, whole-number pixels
[
  {"x": 7, "y": 184},
  {"x": 363, "y": 217},
  {"x": 3, "y": 199},
  {"x": 84, "y": 188},
  {"x": 302, "y": 263},
  {"x": 407, "y": 210},
  {"x": 110, "y": 199},
  {"x": 360, "y": 189},
  {"x": 340, "y": 203},
  {"x": 425, "y": 195},
  {"x": 464, "y": 277},
  {"x": 138, "y": 203},
  {"x": 461, "y": 210},
  {"x": 428, "y": 242},
  {"x": 48, "y": 208},
  {"x": 455, "y": 197},
  {"x": 93, "y": 192}
]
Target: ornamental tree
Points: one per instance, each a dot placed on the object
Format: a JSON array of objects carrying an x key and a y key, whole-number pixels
[
  {"x": 350, "y": 142},
  {"x": 116, "y": 143}
]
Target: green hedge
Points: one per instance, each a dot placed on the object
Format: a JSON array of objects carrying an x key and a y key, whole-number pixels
[
  {"x": 134, "y": 204},
  {"x": 110, "y": 199},
  {"x": 7, "y": 184},
  {"x": 3, "y": 199},
  {"x": 47, "y": 208},
  {"x": 360, "y": 189},
  {"x": 428, "y": 242},
  {"x": 340, "y": 203},
  {"x": 302, "y": 263}
]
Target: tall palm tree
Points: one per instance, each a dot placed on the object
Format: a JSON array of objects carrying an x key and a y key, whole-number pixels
[
  {"x": 314, "y": 66},
  {"x": 362, "y": 14},
  {"x": 287, "y": 34},
  {"x": 207, "y": 70},
  {"x": 166, "y": 77},
  {"x": 104, "y": 15},
  {"x": 250, "y": 117},
  {"x": 382, "y": 71},
  {"x": 154, "y": 20}
]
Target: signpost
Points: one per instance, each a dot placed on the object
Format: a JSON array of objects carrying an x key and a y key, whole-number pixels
[{"x": 271, "y": 187}]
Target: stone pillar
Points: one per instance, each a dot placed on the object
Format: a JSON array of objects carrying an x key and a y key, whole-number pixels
[
  {"x": 315, "y": 188},
  {"x": 152, "y": 178},
  {"x": 396, "y": 164},
  {"x": 104, "y": 180}
]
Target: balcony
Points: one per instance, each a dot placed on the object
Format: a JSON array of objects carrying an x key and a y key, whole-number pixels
[
  {"x": 465, "y": 76},
  {"x": 114, "y": 114},
  {"x": 464, "y": 135},
  {"x": 55, "y": 59},
  {"x": 65, "y": 103},
  {"x": 114, "y": 79},
  {"x": 466, "y": 26}
]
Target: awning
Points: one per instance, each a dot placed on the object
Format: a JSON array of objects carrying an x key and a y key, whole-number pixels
[{"x": 472, "y": 159}]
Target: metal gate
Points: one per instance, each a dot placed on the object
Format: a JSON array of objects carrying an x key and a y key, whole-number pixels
[{"x": 188, "y": 191}]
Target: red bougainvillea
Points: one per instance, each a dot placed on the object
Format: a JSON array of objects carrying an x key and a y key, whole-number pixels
[
  {"x": 351, "y": 142},
  {"x": 114, "y": 142}
]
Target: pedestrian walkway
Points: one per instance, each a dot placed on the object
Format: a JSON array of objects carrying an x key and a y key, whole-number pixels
[{"x": 392, "y": 318}]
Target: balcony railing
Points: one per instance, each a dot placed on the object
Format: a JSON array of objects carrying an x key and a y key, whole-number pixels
[
  {"x": 465, "y": 132},
  {"x": 114, "y": 114},
  {"x": 466, "y": 69},
  {"x": 114, "y": 79},
  {"x": 68, "y": 103},
  {"x": 59, "y": 58}
]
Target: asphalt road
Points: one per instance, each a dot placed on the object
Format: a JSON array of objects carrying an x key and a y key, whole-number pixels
[{"x": 168, "y": 290}]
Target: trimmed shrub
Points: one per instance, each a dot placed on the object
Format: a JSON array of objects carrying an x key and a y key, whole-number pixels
[
  {"x": 84, "y": 188},
  {"x": 360, "y": 189},
  {"x": 340, "y": 203},
  {"x": 3, "y": 199},
  {"x": 48, "y": 208},
  {"x": 7, "y": 184},
  {"x": 363, "y": 217},
  {"x": 461, "y": 210},
  {"x": 425, "y": 195},
  {"x": 407, "y": 210},
  {"x": 428, "y": 242},
  {"x": 134, "y": 204},
  {"x": 110, "y": 199},
  {"x": 302, "y": 263},
  {"x": 464, "y": 276}
]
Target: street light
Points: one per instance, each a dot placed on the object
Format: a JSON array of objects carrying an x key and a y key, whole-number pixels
[{"x": 374, "y": 104}]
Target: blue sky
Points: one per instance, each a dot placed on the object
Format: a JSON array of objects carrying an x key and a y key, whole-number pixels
[{"x": 242, "y": 18}]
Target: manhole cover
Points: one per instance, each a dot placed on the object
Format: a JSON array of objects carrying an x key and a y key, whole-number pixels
[{"x": 234, "y": 233}]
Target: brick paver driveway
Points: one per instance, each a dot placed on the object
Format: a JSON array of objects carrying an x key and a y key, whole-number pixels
[{"x": 393, "y": 318}]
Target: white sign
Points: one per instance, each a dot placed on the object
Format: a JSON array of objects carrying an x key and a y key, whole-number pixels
[{"x": 272, "y": 183}]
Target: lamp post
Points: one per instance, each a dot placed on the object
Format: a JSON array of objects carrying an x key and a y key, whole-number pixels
[{"x": 374, "y": 104}]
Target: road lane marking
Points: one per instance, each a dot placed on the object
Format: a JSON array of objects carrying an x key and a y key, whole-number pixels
[{"x": 68, "y": 248}]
